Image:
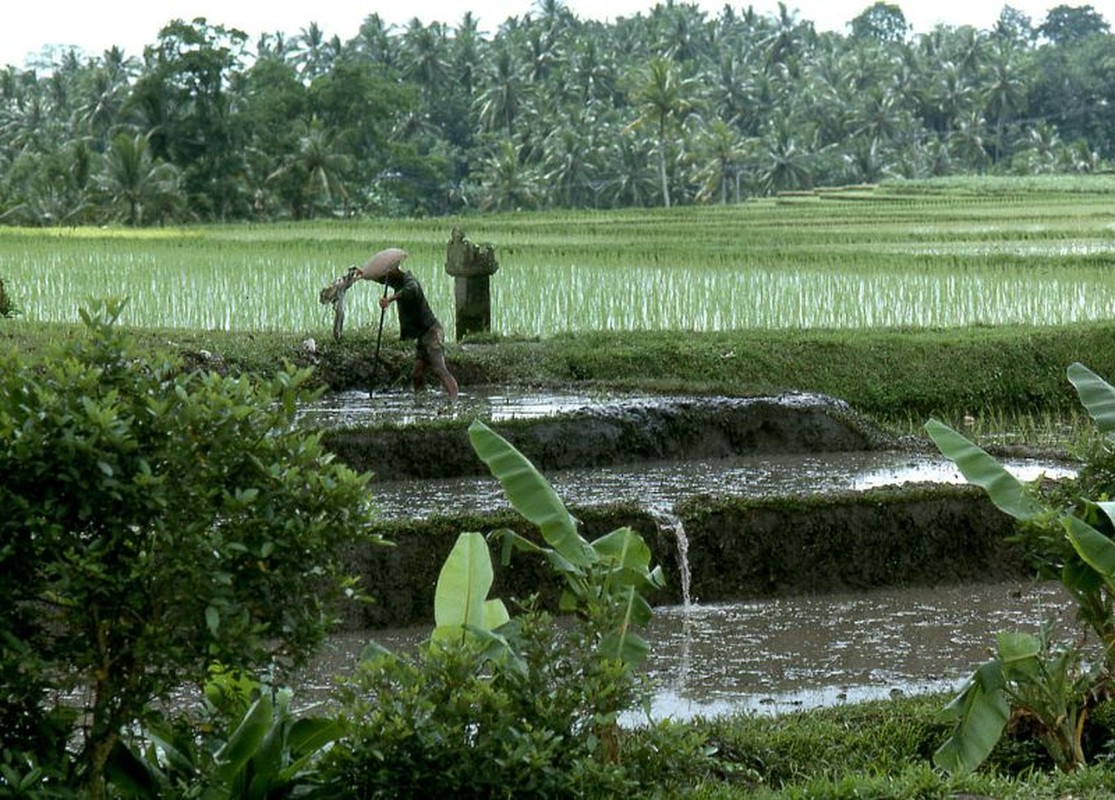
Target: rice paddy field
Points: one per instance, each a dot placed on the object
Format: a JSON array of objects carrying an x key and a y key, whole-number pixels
[{"x": 983, "y": 252}]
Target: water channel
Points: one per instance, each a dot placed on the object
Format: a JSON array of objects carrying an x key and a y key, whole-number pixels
[{"x": 759, "y": 657}]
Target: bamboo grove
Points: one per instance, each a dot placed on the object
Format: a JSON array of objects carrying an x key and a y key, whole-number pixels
[{"x": 668, "y": 107}]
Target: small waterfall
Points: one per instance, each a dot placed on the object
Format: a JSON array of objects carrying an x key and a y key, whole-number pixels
[{"x": 669, "y": 522}]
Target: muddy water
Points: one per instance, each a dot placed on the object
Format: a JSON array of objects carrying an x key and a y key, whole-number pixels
[
  {"x": 494, "y": 403},
  {"x": 662, "y": 485},
  {"x": 654, "y": 485},
  {"x": 787, "y": 654},
  {"x": 759, "y": 657},
  {"x": 790, "y": 653}
]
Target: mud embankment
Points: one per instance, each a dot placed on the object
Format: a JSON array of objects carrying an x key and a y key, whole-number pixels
[
  {"x": 739, "y": 548},
  {"x": 615, "y": 433}
]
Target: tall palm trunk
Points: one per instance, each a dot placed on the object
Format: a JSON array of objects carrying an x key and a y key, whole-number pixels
[{"x": 662, "y": 163}]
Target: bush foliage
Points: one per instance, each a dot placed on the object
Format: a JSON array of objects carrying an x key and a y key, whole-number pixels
[{"x": 155, "y": 521}]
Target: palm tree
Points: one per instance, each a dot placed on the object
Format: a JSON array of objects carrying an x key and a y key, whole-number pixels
[
  {"x": 425, "y": 60},
  {"x": 631, "y": 182},
  {"x": 507, "y": 184},
  {"x": 103, "y": 92},
  {"x": 787, "y": 165},
  {"x": 567, "y": 161},
  {"x": 502, "y": 94},
  {"x": 1005, "y": 94},
  {"x": 137, "y": 184},
  {"x": 317, "y": 171},
  {"x": 374, "y": 41},
  {"x": 664, "y": 97},
  {"x": 721, "y": 150},
  {"x": 311, "y": 51},
  {"x": 967, "y": 142}
]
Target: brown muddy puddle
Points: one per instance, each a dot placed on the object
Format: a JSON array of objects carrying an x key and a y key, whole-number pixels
[
  {"x": 787, "y": 654},
  {"x": 760, "y": 657},
  {"x": 653, "y": 485}
]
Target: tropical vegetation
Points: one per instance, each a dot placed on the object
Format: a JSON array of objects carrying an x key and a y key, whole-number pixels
[
  {"x": 157, "y": 522},
  {"x": 171, "y": 542},
  {"x": 1068, "y": 534},
  {"x": 667, "y": 107}
]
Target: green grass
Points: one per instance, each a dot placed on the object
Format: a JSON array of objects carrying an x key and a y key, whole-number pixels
[
  {"x": 877, "y": 750},
  {"x": 928, "y": 255}
]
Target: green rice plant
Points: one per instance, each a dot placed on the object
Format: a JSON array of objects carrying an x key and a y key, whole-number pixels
[{"x": 852, "y": 259}]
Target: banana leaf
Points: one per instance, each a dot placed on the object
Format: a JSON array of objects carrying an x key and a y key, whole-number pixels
[
  {"x": 1096, "y": 395},
  {"x": 623, "y": 643},
  {"x": 1093, "y": 547},
  {"x": 980, "y": 711},
  {"x": 245, "y": 741},
  {"x": 979, "y": 468},
  {"x": 531, "y": 495},
  {"x": 461, "y": 596}
]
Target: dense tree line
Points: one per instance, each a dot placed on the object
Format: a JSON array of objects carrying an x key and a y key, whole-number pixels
[{"x": 673, "y": 106}]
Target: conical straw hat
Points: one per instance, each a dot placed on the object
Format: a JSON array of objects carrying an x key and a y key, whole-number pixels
[{"x": 382, "y": 263}]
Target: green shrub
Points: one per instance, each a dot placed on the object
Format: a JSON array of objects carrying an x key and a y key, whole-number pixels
[
  {"x": 446, "y": 722},
  {"x": 154, "y": 521}
]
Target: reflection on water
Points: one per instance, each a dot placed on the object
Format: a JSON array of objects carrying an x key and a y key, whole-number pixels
[
  {"x": 661, "y": 485},
  {"x": 788, "y": 653},
  {"x": 785, "y": 654},
  {"x": 658, "y": 485},
  {"x": 492, "y": 403}
]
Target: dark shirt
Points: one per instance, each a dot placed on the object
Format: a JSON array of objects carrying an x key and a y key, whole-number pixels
[{"x": 415, "y": 315}]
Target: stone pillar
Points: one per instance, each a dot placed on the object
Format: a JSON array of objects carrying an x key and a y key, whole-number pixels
[{"x": 470, "y": 265}]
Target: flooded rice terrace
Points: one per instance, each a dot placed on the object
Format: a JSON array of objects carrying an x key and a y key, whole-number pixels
[
  {"x": 757, "y": 656},
  {"x": 787, "y": 654},
  {"x": 656, "y": 486}
]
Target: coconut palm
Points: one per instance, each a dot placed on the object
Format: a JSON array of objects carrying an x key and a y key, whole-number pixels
[
  {"x": 663, "y": 96},
  {"x": 502, "y": 91},
  {"x": 631, "y": 181},
  {"x": 787, "y": 163},
  {"x": 506, "y": 183},
  {"x": 720, "y": 151},
  {"x": 141, "y": 188},
  {"x": 312, "y": 179},
  {"x": 311, "y": 51},
  {"x": 425, "y": 58},
  {"x": 1005, "y": 92}
]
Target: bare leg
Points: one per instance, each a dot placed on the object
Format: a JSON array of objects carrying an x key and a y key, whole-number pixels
[
  {"x": 433, "y": 353},
  {"x": 448, "y": 382},
  {"x": 418, "y": 376}
]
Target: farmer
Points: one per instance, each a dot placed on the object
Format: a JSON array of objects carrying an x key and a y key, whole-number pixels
[{"x": 416, "y": 319}]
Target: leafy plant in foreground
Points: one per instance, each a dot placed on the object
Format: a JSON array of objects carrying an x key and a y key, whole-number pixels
[
  {"x": 155, "y": 521},
  {"x": 249, "y": 746},
  {"x": 495, "y": 705},
  {"x": 1074, "y": 539},
  {"x": 604, "y": 579}
]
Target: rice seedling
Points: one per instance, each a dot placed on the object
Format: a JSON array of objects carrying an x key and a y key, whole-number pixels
[{"x": 946, "y": 256}]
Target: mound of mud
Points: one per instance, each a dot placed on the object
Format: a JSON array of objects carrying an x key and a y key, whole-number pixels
[{"x": 617, "y": 432}]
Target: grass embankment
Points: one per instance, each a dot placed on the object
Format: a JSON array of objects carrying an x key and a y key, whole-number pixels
[
  {"x": 895, "y": 376},
  {"x": 878, "y": 750}
]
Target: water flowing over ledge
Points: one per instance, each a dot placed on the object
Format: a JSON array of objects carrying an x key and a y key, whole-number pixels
[{"x": 773, "y": 606}]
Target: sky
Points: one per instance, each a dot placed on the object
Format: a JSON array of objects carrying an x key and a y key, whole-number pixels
[{"x": 93, "y": 25}]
